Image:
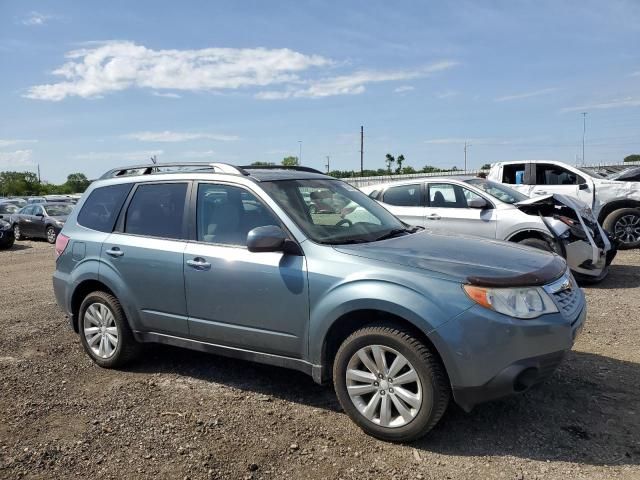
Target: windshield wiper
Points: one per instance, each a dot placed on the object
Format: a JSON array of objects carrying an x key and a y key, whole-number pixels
[
  {"x": 348, "y": 241},
  {"x": 397, "y": 231}
]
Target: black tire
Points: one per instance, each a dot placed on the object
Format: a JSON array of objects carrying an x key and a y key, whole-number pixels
[
  {"x": 50, "y": 235},
  {"x": 17, "y": 232},
  {"x": 127, "y": 348},
  {"x": 538, "y": 243},
  {"x": 429, "y": 369},
  {"x": 614, "y": 221}
]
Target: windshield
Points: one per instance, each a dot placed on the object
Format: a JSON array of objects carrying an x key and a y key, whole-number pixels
[
  {"x": 591, "y": 173},
  {"x": 333, "y": 212},
  {"x": 497, "y": 190},
  {"x": 58, "y": 210},
  {"x": 8, "y": 208}
]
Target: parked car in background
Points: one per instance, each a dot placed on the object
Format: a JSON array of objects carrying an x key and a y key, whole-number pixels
[
  {"x": 32, "y": 200},
  {"x": 475, "y": 206},
  {"x": 631, "y": 174},
  {"x": 616, "y": 204},
  {"x": 43, "y": 220},
  {"x": 18, "y": 202},
  {"x": 7, "y": 209},
  {"x": 6, "y": 235},
  {"x": 232, "y": 262},
  {"x": 60, "y": 198}
]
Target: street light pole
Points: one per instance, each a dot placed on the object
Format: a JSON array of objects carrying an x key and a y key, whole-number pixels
[
  {"x": 300, "y": 156},
  {"x": 584, "y": 132}
]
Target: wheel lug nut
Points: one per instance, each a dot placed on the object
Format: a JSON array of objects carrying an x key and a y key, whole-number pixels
[
  {"x": 380, "y": 375},
  {"x": 375, "y": 384},
  {"x": 382, "y": 392},
  {"x": 391, "y": 390}
]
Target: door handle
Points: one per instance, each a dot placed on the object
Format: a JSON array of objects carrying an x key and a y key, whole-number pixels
[
  {"x": 539, "y": 192},
  {"x": 199, "y": 263},
  {"x": 114, "y": 252},
  {"x": 434, "y": 216}
]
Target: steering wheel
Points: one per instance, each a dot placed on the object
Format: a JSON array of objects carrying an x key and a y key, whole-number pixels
[{"x": 344, "y": 221}]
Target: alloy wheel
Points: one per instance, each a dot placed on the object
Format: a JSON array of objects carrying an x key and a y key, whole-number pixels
[
  {"x": 100, "y": 331},
  {"x": 627, "y": 228},
  {"x": 384, "y": 386},
  {"x": 51, "y": 235},
  {"x": 17, "y": 234}
]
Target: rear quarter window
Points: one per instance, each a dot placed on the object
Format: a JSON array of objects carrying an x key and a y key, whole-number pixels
[{"x": 101, "y": 209}]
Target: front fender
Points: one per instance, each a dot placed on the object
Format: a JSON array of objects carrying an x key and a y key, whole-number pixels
[{"x": 422, "y": 311}]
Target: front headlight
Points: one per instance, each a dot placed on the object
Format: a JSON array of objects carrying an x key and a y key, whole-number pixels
[{"x": 521, "y": 302}]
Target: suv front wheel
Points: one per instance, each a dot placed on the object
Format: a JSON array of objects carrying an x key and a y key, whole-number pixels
[
  {"x": 104, "y": 331},
  {"x": 390, "y": 383}
]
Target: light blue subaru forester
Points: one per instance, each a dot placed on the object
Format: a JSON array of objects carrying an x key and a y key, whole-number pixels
[{"x": 265, "y": 264}]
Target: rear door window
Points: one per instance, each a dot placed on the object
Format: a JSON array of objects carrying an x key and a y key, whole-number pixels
[
  {"x": 403, "y": 196},
  {"x": 157, "y": 210},
  {"x": 101, "y": 209},
  {"x": 549, "y": 174}
]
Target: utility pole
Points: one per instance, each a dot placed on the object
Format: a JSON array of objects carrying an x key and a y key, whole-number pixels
[
  {"x": 466, "y": 145},
  {"x": 584, "y": 132},
  {"x": 300, "y": 156},
  {"x": 361, "y": 150},
  {"x": 39, "y": 181},
  {"x": 327, "y": 165}
]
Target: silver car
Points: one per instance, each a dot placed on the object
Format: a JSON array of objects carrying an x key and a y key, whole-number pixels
[{"x": 476, "y": 206}]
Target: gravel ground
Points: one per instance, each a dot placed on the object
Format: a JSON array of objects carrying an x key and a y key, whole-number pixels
[{"x": 180, "y": 414}]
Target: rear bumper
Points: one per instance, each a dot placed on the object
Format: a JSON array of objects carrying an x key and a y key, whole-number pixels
[{"x": 60, "y": 286}]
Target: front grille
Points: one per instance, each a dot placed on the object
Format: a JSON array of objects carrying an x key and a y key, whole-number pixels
[{"x": 568, "y": 301}]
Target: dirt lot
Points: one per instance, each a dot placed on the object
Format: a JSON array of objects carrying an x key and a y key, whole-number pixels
[{"x": 179, "y": 414}]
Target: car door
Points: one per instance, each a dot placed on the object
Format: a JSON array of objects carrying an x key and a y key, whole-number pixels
[
  {"x": 237, "y": 298},
  {"x": 448, "y": 211},
  {"x": 146, "y": 252},
  {"x": 38, "y": 224},
  {"x": 406, "y": 202},
  {"x": 25, "y": 220},
  {"x": 517, "y": 176},
  {"x": 551, "y": 178}
]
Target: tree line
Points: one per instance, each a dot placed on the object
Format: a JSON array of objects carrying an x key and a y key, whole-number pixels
[{"x": 24, "y": 184}]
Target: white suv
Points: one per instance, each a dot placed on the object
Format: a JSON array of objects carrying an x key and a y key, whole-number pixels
[{"x": 616, "y": 204}]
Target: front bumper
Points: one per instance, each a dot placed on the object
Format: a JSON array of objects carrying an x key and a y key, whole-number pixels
[{"x": 488, "y": 355}]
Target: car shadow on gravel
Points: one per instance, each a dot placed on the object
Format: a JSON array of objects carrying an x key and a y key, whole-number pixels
[
  {"x": 620, "y": 276},
  {"x": 16, "y": 247},
  {"x": 586, "y": 413},
  {"x": 275, "y": 382}
]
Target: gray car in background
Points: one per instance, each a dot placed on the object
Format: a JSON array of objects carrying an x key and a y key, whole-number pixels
[
  {"x": 476, "y": 206},
  {"x": 230, "y": 260}
]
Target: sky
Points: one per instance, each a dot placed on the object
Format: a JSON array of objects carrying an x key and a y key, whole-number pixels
[{"x": 88, "y": 86}]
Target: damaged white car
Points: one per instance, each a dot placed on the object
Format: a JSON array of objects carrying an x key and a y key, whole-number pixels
[
  {"x": 616, "y": 204},
  {"x": 475, "y": 206}
]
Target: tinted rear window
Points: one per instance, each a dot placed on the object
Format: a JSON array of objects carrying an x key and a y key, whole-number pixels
[
  {"x": 101, "y": 209},
  {"x": 404, "y": 196},
  {"x": 157, "y": 210}
]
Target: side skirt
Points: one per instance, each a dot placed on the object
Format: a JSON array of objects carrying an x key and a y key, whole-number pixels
[{"x": 267, "y": 358}]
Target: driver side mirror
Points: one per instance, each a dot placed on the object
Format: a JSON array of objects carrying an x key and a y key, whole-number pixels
[
  {"x": 477, "y": 203},
  {"x": 271, "y": 238}
]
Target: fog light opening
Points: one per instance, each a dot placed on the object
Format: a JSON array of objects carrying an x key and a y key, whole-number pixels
[{"x": 525, "y": 379}]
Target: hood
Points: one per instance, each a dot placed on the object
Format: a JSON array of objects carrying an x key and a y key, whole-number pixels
[
  {"x": 466, "y": 259},
  {"x": 529, "y": 205}
]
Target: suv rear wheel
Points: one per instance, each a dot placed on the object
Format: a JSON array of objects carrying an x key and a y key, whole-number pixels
[
  {"x": 624, "y": 225},
  {"x": 104, "y": 331},
  {"x": 390, "y": 383}
]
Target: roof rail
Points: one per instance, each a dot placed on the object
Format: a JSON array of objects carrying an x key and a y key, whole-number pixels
[
  {"x": 281, "y": 167},
  {"x": 155, "y": 168}
]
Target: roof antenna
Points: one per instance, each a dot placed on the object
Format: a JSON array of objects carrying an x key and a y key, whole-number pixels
[{"x": 154, "y": 159}]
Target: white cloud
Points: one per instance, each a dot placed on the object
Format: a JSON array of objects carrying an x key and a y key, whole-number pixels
[
  {"x": 18, "y": 158},
  {"x": 519, "y": 96},
  {"x": 617, "y": 103},
  {"x": 404, "y": 88},
  {"x": 635, "y": 74},
  {"x": 168, "y": 136},
  {"x": 35, "y": 19},
  {"x": 166, "y": 95},
  {"x": 352, "y": 84},
  {"x": 198, "y": 154},
  {"x": 4, "y": 142},
  {"x": 118, "y": 65},
  {"x": 447, "y": 94},
  {"x": 141, "y": 156}
]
